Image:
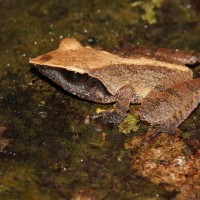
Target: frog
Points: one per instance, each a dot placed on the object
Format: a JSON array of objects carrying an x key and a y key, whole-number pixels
[{"x": 159, "y": 80}]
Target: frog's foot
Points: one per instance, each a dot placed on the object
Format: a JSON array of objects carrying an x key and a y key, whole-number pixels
[
  {"x": 156, "y": 130},
  {"x": 109, "y": 116}
]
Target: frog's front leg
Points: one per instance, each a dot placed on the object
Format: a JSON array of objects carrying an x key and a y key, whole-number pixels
[{"x": 123, "y": 98}]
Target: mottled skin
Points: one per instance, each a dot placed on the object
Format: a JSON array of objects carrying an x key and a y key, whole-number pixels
[
  {"x": 165, "y": 110},
  {"x": 158, "y": 79}
]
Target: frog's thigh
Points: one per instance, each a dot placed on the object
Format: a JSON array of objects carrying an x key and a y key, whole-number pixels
[
  {"x": 175, "y": 56},
  {"x": 166, "y": 110},
  {"x": 170, "y": 55}
]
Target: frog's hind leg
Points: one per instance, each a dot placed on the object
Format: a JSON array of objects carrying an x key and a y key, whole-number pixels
[
  {"x": 167, "y": 109},
  {"x": 124, "y": 97},
  {"x": 170, "y": 55}
]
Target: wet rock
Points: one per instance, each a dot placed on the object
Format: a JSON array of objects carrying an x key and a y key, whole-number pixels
[
  {"x": 84, "y": 194},
  {"x": 163, "y": 161}
]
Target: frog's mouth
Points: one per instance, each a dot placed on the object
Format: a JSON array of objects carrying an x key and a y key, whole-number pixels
[{"x": 82, "y": 85}]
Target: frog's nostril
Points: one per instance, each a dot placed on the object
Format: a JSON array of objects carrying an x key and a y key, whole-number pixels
[{"x": 45, "y": 57}]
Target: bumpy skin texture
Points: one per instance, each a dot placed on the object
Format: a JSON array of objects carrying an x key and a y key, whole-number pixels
[
  {"x": 165, "y": 110},
  {"x": 169, "y": 55},
  {"x": 158, "y": 79}
]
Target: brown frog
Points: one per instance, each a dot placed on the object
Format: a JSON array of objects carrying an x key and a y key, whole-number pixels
[{"x": 157, "y": 79}]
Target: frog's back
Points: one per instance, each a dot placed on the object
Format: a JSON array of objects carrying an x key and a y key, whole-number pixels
[{"x": 143, "y": 78}]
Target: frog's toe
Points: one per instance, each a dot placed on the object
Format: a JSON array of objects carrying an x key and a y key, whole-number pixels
[
  {"x": 163, "y": 129},
  {"x": 109, "y": 117}
]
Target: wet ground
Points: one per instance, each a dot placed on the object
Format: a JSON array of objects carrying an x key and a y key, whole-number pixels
[{"x": 47, "y": 148}]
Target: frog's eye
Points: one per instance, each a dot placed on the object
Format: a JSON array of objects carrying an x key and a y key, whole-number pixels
[{"x": 75, "y": 76}]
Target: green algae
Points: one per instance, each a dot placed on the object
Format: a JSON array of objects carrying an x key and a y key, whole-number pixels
[
  {"x": 20, "y": 182},
  {"x": 52, "y": 153},
  {"x": 130, "y": 124},
  {"x": 149, "y": 8}
]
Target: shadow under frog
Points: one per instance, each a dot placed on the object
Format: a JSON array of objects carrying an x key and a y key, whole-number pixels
[{"x": 157, "y": 79}]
